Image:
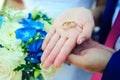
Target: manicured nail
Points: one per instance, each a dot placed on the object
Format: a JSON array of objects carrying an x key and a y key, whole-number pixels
[
  {"x": 42, "y": 60},
  {"x": 81, "y": 40},
  {"x": 43, "y": 48},
  {"x": 55, "y": 66},
  {"x": 45, "y": 66}
]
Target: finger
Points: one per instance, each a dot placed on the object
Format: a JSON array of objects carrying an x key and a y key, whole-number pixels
[
  {"x": 50, "y": 46},
  {"x": 47, "y": 39},
  {"x": 75, "y": 60},
  {"x": 54, "y": 52},
  {"x": 85, "y": 34},
  {"x": 66, "y": 49}
]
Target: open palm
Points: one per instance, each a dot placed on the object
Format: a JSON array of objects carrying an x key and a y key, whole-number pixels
[{"x": 59, "y": 42}]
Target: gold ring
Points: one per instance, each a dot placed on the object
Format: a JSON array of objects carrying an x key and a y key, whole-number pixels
[{"x": 70, "y": 24}]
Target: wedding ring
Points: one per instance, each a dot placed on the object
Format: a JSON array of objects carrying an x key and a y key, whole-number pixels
[{"x": 70, "y": 24}]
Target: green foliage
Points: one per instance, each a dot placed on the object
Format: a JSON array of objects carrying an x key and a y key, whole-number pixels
[
  {"x": 37, "y": 15},
  {"x": 36, "y": 73}
]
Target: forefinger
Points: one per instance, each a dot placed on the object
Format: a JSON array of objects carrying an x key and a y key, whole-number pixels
[{"x": 48, "y": 38}]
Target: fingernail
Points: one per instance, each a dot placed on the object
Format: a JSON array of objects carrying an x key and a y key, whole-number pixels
[
  {"x": 55, "y": 66},
  {"x": 81, "y": 40},
  {"x": 42, "y": 59},
  {"x": 45, "y": 66},
  {"x": 43, "y": 48}
]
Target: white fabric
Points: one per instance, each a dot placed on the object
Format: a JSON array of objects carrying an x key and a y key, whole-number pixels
[
  {"x": 117, "y": 45},
  {"x": 53, "y": 8},
  {"x": 1, "y": 4}
]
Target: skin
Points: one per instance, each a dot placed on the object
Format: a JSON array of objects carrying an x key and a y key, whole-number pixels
[
  {"x": 59, "y": 42},
  {"x": 90, "y": 56},
  {"x": 17, "y": 4}
]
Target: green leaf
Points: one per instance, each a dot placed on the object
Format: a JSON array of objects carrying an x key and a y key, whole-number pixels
[
  {"x": 20, "y": 67},
  {"x": 36, "y": 73}
]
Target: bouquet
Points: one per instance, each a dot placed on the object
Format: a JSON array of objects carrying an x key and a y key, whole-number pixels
[{"x": 21, "y": 37}]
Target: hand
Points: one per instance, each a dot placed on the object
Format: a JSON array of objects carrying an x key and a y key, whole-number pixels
[
  {"x": 91, "y": 56},
  {"x": 59, "y": 42}
]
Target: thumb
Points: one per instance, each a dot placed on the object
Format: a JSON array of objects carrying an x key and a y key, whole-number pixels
[
  {"x": 81, "y": 38},
  {"x": 75, "y": 60},
  {"x": 86, "y": 33}
]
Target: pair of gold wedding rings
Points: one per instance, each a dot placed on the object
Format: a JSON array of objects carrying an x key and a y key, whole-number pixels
[{"x": 70, "y": 24}]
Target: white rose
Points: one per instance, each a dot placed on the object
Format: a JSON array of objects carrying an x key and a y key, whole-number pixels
[
  {"x": 9, "y": 60},
  {"x": 7, "y": 33},
  {"x": 49, "y": 73}
]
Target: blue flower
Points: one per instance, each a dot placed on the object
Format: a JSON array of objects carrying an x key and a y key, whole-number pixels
[
  {"x": 37, "y": 25},
  {"x": 32, "y": 24},
  {"x": 29, "y": 16},
  {"x": 1, "y": 20},
  {"x": 25, "y": 33},
  {"x": 42, "y": 33},
  {"x": 29, "y": 22},
  {"x": 34, "y": 58},
  {"x": 35, "y": 46},
  {"x": 40, "y": 54}
]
